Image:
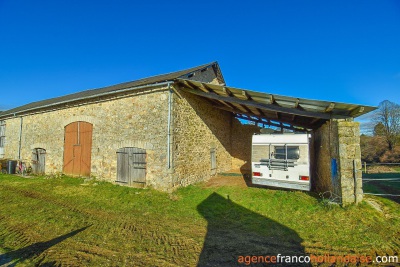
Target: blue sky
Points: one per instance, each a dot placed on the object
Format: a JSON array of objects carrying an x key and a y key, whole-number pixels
[{"x": 344, "y": 51}]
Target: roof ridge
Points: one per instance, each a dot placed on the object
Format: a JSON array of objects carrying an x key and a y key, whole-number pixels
[
  {"x": 154, "y": 76},
  {"x": 110, "y": 89}
]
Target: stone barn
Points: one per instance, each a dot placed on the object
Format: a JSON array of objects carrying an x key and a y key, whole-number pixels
[{"x": 177, "y": 129}]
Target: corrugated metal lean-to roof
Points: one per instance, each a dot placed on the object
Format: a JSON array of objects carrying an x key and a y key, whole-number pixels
[{"x": 271, "y": 108}]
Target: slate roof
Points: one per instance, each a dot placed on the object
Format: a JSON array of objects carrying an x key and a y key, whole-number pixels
[{"x": 113, "y": 89}]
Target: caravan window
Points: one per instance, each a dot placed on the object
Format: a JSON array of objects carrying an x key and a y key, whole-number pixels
[{"x": 293, "y": 152}]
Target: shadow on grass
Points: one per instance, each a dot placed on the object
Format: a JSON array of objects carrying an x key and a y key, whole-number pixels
[
  {"x": 246, "y": 174},
  {"x": 13, "y": 257},
  {"x": 235, "y": 232}
]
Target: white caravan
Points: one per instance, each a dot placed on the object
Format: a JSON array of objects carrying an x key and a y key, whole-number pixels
[{"x": 281, "y": 160}]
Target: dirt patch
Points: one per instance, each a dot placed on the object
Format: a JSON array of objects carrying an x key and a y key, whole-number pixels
[
  {"x": 374, "y": 204},
  {"x": 231, "y": 178},
  {"x": 25, "y": 176}
]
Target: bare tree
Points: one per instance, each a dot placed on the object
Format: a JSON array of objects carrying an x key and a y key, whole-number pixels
[{"x": 388, "y": 114}]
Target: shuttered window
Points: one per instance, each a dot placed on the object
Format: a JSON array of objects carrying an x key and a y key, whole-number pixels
[
  {"x": 213, "y": 155},
  {"x": 2, "y": 137},
  {"x": 38, "y": 160},
  {"x": 2, "y": 133}
]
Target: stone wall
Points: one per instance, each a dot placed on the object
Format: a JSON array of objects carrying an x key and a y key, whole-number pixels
[
  {"x": 337, "y": 142},
  {"x": 321, "y": 147},
  {"x": 198, "y": 127},
  {"x": 139, "y": 120},
  {"x": 349, "y": 163},
  {"x": 241, "y": 145},
  {"x": 12, "y": 138}
]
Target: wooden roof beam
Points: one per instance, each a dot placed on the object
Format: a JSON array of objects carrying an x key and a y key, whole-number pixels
[
  {"x": 271, "y": 123},
  {"x": 272, "y": 99},
  {"x": 186, "y": 83},
  {"x": 227, "y": 92},
  {"x": 330, "y": 107},
  {"x": 248, "y": 97},
  {"x": 208, "y": 89},
  {"x": 273, "y": 102},
  {"x": 205, "y": 89},
  {"x": 296, "y": 104},
  {"x": 356, "y": 111},
  {"x": 295, "y": 123},
  {"x": 230, "y": 94},
  {"x": 314, "y": 121}
]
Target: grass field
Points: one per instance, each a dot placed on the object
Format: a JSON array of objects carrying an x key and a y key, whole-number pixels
[
  {"x": 387, "y": 184},
  {"x": 69, "y": 222}
]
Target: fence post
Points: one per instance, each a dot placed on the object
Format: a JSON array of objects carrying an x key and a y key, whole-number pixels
[
  {"x": 365, "y": 167},
  {"x": 355, "y": 181}
]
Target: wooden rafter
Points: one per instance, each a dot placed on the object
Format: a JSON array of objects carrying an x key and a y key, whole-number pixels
[
  {"x": 295, "y": 123},
  {"x": 356, "y": 111},
  {"x": 272, "y": 99},
  {"x": 296, "y": 104},
  {"x": 271, "y": 123},
  {"x": 248, "y": 97},
  {"x": 206, "y": 89},
  {"x": 230, "y": 94},
  {"x": 314, "y": 121},
  {"x": 330, "y": 107}
]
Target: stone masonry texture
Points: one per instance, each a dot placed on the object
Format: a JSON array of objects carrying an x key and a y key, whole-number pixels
[
  {"x": 136, "y": 121},
  {"x": 198, "y": 128},
  {"x": 348, "y": 133},
  {"x": 338, "y": 140},
  {"x": 140, "y": 120}
]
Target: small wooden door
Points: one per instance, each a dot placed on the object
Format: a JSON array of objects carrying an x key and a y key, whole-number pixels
[
  {"x": 213, "y": 155},
  {"x": 131, "y": 165},
  {"x": 38, "y": 160},
  {"x": 78, "y": 148}
]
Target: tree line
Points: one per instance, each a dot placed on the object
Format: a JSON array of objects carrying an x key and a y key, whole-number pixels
[{"x": 383, "y": 144}]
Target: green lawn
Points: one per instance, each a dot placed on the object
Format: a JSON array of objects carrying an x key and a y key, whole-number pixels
[
  {"x": 382, "y": 183},
  {"x": 65, "y": 221}
]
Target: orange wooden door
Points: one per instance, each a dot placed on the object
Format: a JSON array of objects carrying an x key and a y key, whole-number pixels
[
  {"x": 70, "y": 139},
  {"x": 78, "y": 148},
  {"x": 85, "y": 137}
]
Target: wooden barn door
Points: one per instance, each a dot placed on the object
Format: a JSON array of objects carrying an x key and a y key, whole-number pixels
[
  {"x": 78, "y": 148},
  {"x": 131, "y": 165},
  {"x": 38, "y": 160}
]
